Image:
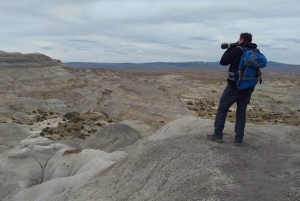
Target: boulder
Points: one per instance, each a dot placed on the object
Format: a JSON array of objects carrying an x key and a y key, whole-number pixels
[
  {"x": 144, "y": 129},
  {"x": 112, "y": 137}
]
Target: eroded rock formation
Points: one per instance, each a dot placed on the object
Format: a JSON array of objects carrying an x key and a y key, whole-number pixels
[
  {"x": 39, "y": 163},
  {"x": 133, "y": 111},
  {"x": 175, "y": 163}
]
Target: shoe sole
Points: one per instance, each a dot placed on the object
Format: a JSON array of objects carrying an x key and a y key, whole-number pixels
[{"x": 216, "y": 140}]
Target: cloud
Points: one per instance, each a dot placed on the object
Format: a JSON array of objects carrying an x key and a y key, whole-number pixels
[
  {"x": 46, "y": 48},
  {"x": 84, "y": 48},
  {"x": 115, "y": 52},
  {"x": 280, "y": 48},
  {"x": 82, "y": 41},
  {"x": 265, "y": 45},
  {"x": 292, "y": 40},
  {"x": 147, "y": 31},
  {"x": 203, "y": 38}
]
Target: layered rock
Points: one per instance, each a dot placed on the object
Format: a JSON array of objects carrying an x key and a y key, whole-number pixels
[
  {"x": 144, "y": 100},
  {"x": 26, "y": 60},
  {"x": 35, "y": 81}
]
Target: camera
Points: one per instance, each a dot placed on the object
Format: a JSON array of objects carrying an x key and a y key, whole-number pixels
[{"x": 226, "y": 45}]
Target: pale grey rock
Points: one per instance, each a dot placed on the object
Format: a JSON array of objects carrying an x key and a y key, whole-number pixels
[
  {"x": 23, "y": 166},
  {"x": 35, "y": 135},
  {"x": 146, "y": 101},
  {"x": 36, "y": 141},
  {"x": 112, "y": 137},
  {"x": 3, "y": 148},
  {"x": 56, "y": 186},
  {"x": 61, "y": 165},
  {"x": 175, "y": 163},
  {"x": 184, "y": 165},
  {"x": 39, "y": 168},
  {"x": 186, "y": 125},
  {"x": 144, "y": 129},
  {"x": 74, "y": 143},
  {"x": 18, "y": 170},
  {"x": 69, "y": 171},
  {"x": 11, "y": 134}
]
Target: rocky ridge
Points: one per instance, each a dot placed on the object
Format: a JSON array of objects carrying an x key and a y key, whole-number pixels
[{"x": 175, "y": 163}]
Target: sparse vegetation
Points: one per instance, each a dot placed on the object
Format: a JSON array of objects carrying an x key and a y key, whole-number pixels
[
  {"x": 45, "y": 129},
  {"x": 204, "y": 108},
  {"x": 76, "y": 119},
  {"x": 39, "y": 118},
  {"x": 70, "y": 115}
]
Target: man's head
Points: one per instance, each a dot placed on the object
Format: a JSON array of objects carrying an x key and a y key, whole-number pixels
[{"x": 246, "y": 37}]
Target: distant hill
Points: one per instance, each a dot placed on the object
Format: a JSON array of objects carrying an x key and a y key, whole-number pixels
[{"x": 272, "y": 66}]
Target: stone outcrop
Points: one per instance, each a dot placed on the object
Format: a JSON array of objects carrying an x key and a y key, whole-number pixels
[
  {"x": 40, "y": 164},
  {"x": 180, "y": 164},
  {"x": 175, "y": 163},
  {"x": 35, "y": 81},
  {"x": 112, "y": 137},
  {"x": 25, "y": 60}
]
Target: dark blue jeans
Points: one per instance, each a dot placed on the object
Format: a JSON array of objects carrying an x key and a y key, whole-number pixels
[{"x": 229, "y": 97}]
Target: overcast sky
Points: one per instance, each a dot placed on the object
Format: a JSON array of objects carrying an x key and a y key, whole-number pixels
[{"x": 148, "y": 30}]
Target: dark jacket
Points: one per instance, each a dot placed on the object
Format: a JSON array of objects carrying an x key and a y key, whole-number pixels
[{"x": 232, "y": 56}]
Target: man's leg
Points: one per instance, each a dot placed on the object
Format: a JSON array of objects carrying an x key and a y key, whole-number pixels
[
  {"x": 226, "y": 101},
  {"x": 241, "y": 117}
]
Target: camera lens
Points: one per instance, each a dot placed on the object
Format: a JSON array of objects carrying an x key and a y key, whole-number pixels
[{"x": 224, "y": 45}]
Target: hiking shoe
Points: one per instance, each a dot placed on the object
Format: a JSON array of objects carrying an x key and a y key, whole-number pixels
[
  {"x": 238, "y": 144},
  {"x": 214, "y": 138}
]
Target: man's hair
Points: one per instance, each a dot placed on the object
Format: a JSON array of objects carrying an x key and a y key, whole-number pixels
[{"x": 246, "y": 36}]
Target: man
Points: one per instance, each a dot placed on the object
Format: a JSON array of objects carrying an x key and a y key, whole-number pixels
[{"x": 231, "y": 94}]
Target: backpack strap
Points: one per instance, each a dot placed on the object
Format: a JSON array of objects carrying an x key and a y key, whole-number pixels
[
  {"x": 240, "y": 47},
  {"x": 259, "y": 75},
  {"x": 232, "y": 75},
  {"x": 242, "y": 59}
]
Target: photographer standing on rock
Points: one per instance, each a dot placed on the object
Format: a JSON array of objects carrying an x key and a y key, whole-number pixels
[{"x": 231, "y": 94}]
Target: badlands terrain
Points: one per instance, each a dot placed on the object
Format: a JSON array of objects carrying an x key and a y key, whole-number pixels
[{"x": 105, "y": 134}]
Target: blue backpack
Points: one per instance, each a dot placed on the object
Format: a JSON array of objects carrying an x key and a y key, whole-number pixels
[{"x": 248, "y": 72}]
